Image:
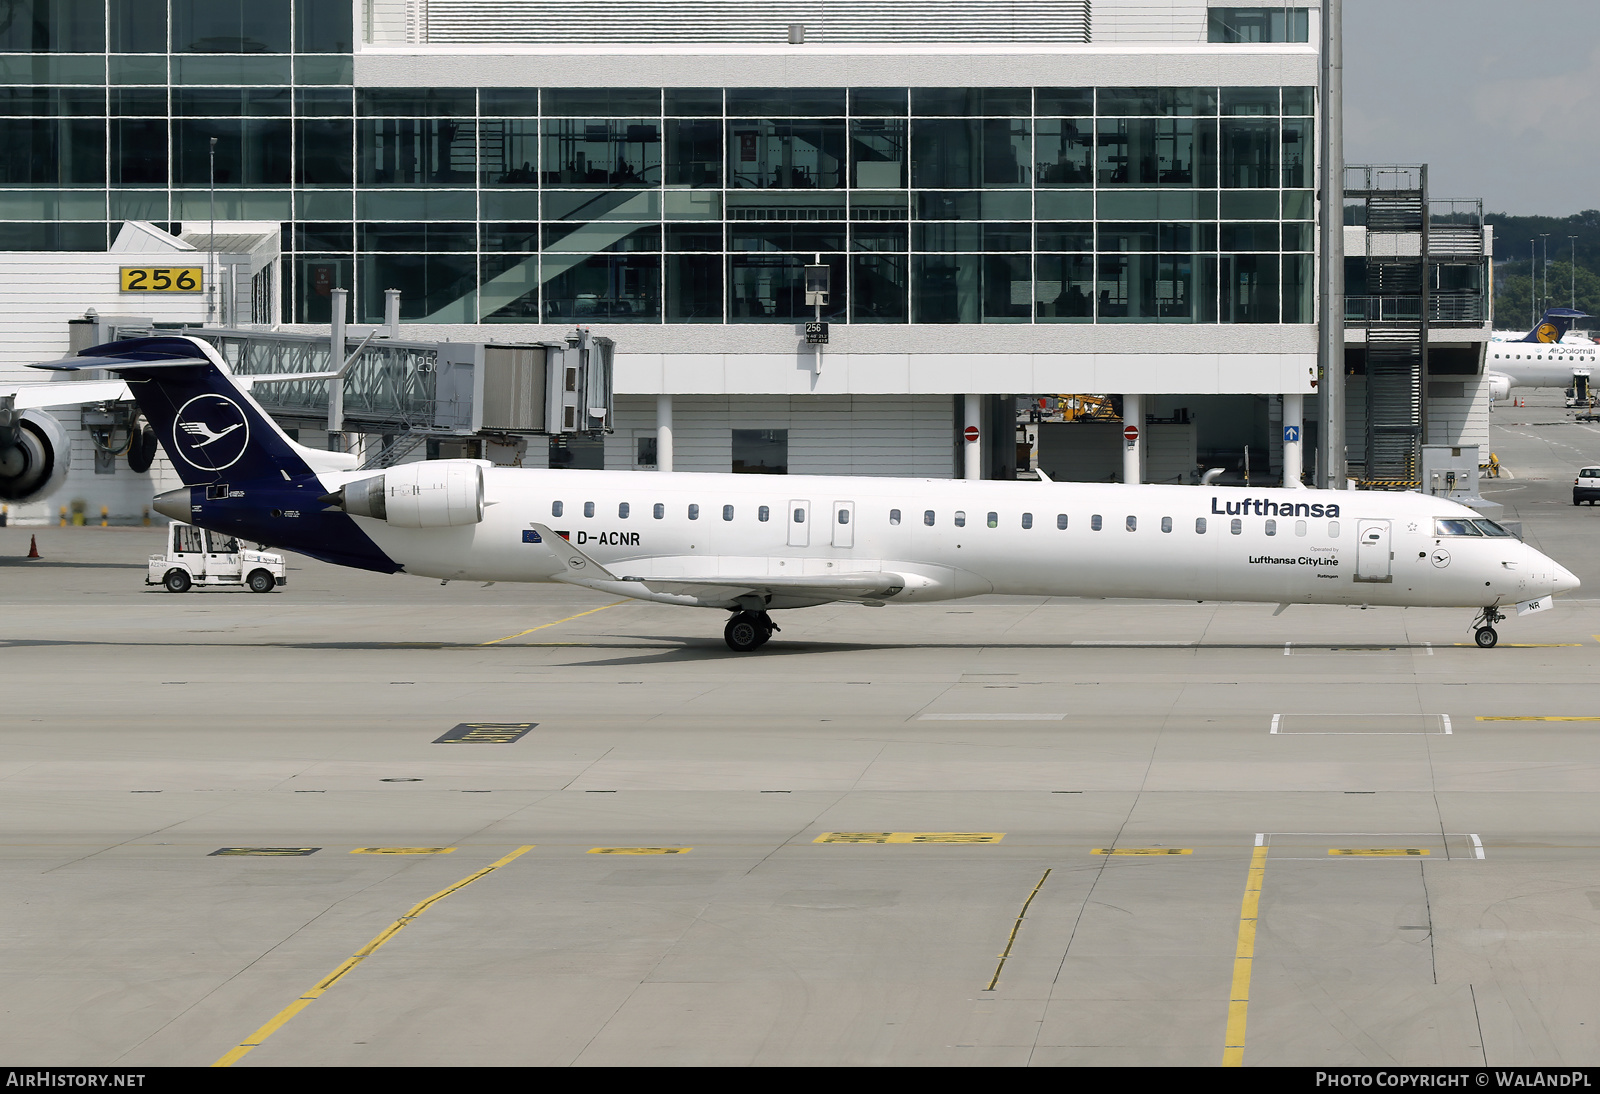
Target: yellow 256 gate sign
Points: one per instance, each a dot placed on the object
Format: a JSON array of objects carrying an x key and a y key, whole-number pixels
[{"x": 161, "y": 278}]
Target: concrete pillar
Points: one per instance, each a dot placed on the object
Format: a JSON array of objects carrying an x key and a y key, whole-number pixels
[
  {"x": 972, "y": 450},
  {"x": 336, "y": 356},
  {"x": 391, "y": 313},
  {"x": 1132, "y": 454},
  {"x": 1294, "y": 432},
  {"x": 663, "y": 433}
]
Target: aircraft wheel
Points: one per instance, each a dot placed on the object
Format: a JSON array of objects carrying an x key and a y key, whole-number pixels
[
  {"x": 261, "y": 582},
  {"x": 1485, "y": 637},
  {"x": 744, "y": 633},
  {"x": 176, "y": 581}
]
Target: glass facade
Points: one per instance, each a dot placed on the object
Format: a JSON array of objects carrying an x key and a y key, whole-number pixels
[{"x": 650, "y": 205}]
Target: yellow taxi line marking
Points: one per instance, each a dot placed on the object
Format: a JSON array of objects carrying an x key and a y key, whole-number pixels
[
  {"x": 1244, "y": 957},
  {"x": 402, "y": 850},
  {"x": 1142, "y": 851},
  {"x": 239, "y": 1051},
  {"x": 1011, "y": 940},
  {"x": 1397, "y": 851},
  {"x": 910, "y": 837},
  {"x": 639, "y": 850},
  {"x": 557, "y": 623},
  {"x": 1538, "y": 718}
]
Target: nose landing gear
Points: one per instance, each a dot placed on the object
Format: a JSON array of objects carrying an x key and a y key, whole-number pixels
[
  {"x": 747, "y": 631},
  {"x": 1483, "y": 627}
]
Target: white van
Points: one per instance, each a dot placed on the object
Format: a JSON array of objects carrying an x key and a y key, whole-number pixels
[{"x": 198, "y": 557}]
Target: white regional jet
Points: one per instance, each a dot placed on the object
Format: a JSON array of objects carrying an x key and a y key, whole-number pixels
[
  {"x": 1541, "y": 358},
  {"x": 751, "y": 544}
]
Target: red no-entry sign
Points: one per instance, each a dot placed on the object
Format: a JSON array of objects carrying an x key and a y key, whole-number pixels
[
  {"x": 971, "y": 434},
  {"x": 1130, "y": 433}
]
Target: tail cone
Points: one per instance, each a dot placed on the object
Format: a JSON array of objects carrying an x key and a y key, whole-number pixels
[{"x": 33, "y": 546}]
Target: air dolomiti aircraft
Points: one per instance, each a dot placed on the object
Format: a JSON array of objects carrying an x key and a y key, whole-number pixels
[{"x": 751, "y": 544}]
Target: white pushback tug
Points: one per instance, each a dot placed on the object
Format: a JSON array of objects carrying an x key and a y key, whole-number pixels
[{"x": 750, "y": 545}]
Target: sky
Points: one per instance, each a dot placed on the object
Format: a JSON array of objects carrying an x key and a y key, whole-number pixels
[{"x": 1499, "y": 97}]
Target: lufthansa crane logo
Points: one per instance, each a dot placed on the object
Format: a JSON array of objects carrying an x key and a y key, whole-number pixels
[
  {"x": 211, "y": 432},
  {"x": 1547, "y": 333}
]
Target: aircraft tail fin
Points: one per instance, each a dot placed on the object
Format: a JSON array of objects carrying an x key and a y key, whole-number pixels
[
  {"x": 210, "y": 427},
  {"x": 1554, "y": 323}
]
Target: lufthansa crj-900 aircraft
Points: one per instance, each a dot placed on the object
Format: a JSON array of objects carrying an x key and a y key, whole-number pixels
[{"x": 751, "y": 544}]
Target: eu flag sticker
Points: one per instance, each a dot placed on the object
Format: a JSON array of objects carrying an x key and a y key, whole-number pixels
[{"x": 530, "y": 536}]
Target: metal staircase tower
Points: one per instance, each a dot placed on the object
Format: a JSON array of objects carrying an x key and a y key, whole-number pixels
[{"x": 1396, "y": 309}]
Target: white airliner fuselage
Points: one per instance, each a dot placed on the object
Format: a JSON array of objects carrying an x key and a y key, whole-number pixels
[
  {"x": 1538, "y": 364},
  {"x": 760, "y": 542}
]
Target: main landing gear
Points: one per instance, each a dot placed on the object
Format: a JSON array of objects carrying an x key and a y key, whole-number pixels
[
  {"x": 748, "y": 631},
  {"x": 1484, "y": 633}
]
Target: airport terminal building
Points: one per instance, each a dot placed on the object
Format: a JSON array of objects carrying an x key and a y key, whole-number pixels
[{"x": 1011, "y": 199}]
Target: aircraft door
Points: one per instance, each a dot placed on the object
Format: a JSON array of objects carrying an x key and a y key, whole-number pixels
[
  {"x": 1373, "y": 554},
  {"x": 844, "y": 523},
  {"x": 799, "y": 523}
]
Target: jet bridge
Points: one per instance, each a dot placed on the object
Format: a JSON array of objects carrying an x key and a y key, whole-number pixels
[{"x": 408, "y": 392}]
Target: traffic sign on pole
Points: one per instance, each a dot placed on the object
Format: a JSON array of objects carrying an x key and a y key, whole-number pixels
[
  {"x": 971, "y": 434},
  {"x": 1291, "y": 434},
  {"x": 1130, "y": 433}
]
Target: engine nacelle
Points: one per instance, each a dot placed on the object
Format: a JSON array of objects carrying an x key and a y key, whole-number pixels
[
  {"x": 431, "y": 494},
  {"x": 1499, "y": 386},
  {"x": 35, "y": 453}
]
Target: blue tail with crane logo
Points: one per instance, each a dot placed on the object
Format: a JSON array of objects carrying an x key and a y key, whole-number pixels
[
  {"x": 242, "y": 474},
  {"x": 1555, "y": 323}
]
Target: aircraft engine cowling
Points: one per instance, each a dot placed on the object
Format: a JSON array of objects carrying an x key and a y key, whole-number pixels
[
  {"x": 431, "y": 494},
  {"x": 35, "y": 453},
  {"x": 1499, "y": 386}
]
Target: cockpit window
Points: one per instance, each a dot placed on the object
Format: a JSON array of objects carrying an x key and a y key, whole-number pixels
[
  {"x": 1490, "y": 528},
  {"x": 1455, "y": 528}
]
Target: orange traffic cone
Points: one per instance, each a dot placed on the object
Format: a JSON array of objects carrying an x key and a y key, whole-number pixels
[{"x": 33, "y": 546}]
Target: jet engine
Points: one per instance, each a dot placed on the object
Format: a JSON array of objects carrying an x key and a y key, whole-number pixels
[
  {"x": 35, "y": 453},
  {"x": 431, "y": 494},
  {"x": 1499, "y": 386}
]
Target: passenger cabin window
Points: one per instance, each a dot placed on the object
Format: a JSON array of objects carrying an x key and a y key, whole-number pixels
[
  {"x": 1094, "y": 522},
  {"x": 1333, "y": 529},
  {"x": 927, "y": 517},
  {"x": 694, "y": 512},
  {"x": 1061, "y": 521},
  {"x": 556, "y": 508},
  {"x": 894, "y": 516},
  {"x": 1027, "y": 520},
  {"x": 799, "y": 516},
  {"x": 1199, "y": 526},
  {"x": 764, "y": 514},
  {"x": 961, "y": 518},
  {"x": 994, "y": 520},
  {"x": 1299, "y": 527},
  {"x": 1132, "y": 524},
  {"x": 1166, "y": 524},
  {"x": 1236, "y": 526},
  {"x": 1455, "y": 528},
  {"x": 659, "y": 511},
  {"x": 727, "y": 512},
  {"x": 588, "y": 508},
  {"x": 1272, "y": 527},
  {"x": 622, "y": 510},
  {"x": 844, "y": 516}
]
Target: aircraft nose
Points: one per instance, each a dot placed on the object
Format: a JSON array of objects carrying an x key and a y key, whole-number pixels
[{"x": 1565, "y": 581}]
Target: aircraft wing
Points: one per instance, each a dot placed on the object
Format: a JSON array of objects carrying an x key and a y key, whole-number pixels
[
  {"x": 720, "y": 591},
  {"x": 31, "y": 396}
]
